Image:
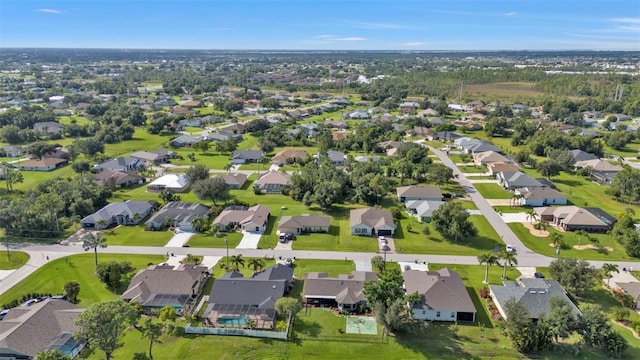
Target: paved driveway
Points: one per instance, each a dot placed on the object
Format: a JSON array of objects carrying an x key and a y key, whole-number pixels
[
  {"x": 249, "y": 240},
  {"x": 515, "y": 217},
  {"x": 179, "y": 239},
  {"x": 407, "y": 265},
  {"x": 363, "y": 265}
]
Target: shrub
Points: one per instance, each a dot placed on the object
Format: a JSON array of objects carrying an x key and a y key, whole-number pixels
[
  {"x": 484, "y": 293},
  {"x": 621, "y": 314}
]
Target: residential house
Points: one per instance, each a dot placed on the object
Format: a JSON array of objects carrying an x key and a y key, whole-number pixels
[
  {"x": 130, "y": 212},
  {"x": 116, "y": 179},
  {"x": 126, "y": 164},
  {"x": 235, "y": 300},
  {"x": 346, "y": 292},
  {"x": 407, "y": 193},
  {"x": 288, "y": 156},
  {"x": 190, "y": 122},
  {"x": 59, "y": 153},
  {"x": 516, "y": 108},
  {"x": 356, "y": 115},
  {"x": 305, "y": 223},
  {"x": 371, "y": 221},
  {"x": 423, "y": 209},
  {"x": 515, "y": 180},
  {"x": 332, "y": 124},
  {"x": 473, "y": 146},
  {"x": 496, "y": 167},
  {"x": 625, "y": 283},
  {"x": 251, "y": 219},
  {"x": 178, "y": 214},
  {"x": 48, "y": 128},
  {"x": 45, "y": 325},
  {"x": 580, "y": 155},
  {"x": 272, "y": 182},
  {"x": 247, "y": 156},
  {"x": 443, "y": 296},
  {"x": 177, "y": 183},
  {"x": 541, "y": 196},
  {"x": 420, "y": 131},
  {"x": 186, "y": 140},
  {"x": 390, "y": 147},
  {"x": 224, "y": 135},
  {"x": 234, "y": 181},
  {"x": 42, "y": 165},
  {"x": 572, "y": 218},
  {"x": 164, "y": 285},
  {"x": 178, "y": 110},
  {"x": 445, "y": 136},
  {"x": 236, "y": 128},
  {"x": 11, "y": 151},
  {"x": 337, "y": 158},
  {"x": 154, "y": 157},
  {"x": 409, "y": 107},
  {"x": 535, "y": 294},
  {"x": 341, "y": 102},
  {"x": 488, "y": 157},
  {"x": 601, "y": 170},
  {"x": 366, "y": 158}
]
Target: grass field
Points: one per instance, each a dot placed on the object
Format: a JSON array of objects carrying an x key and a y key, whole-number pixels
[
  {"x": 493, "y": 191},
  {"x": 473, "y": 169},
  {"x": 136, "y": 236},
  {"x": 211, "y": 241},
  {"x": 504, "y": 89},
  {"x": 14, "y": 260},
  {"x": 51, "y": 277}
]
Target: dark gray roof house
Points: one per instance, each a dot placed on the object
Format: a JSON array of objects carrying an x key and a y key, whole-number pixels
[
  {"x": 336, "y": 157},
  {"x": 442, "y": 293},
  {"x": 126, "y": 164},
  {"x": 579, "y": 155},
  {"x": 186, "y": 140},
  {"x": 45, "y": 325},
  {"x": 179, "y": 214},
  {"x": 235, "y": 299},
  {"x": 344, "y": 291},
  {"x": 247, "y": 156},
  {"x": 164, "y": 285},
  {"x": 130, "y": 212},
  {"x": 535, "y": 295},
  {"x": 48, "y": 128}
]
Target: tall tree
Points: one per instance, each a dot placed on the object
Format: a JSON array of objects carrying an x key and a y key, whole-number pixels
[
  {"x": 607, "y": 269},
  {"x": 151, "y": 330},
  {"x": 198, "y": 172},
  {"x": 488, "y": 258},
  {"x": 561, "y": 318},
  {"x": 575, "y": 276},
  {"x": 71, "y": 291},
  {"x": 509, "y": 257},
  {"x": 92, "y": 241},
  {"x": 451, "y": 220},
  {"x": 102, "y": 324},
  {"x": 214, "y": 188},
  {"x": 256, "y": 263},
  {"x": 236, "y": 261},
  {"x": 11, "y": 175}
]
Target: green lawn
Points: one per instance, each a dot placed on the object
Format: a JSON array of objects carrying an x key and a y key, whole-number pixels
[
  {"x": 461, "y": 158},
  {"x": 332, "y": 267},
  {"x": 264, "y": 166},
  {"x": 416, "y": 242},
  {"x": 33, "y": 178},
  {"x": 141, "y": 141},
  {"x": 493, "y": 191},
  {"x": 473, "y": 169},
  {"x": 13, "y": 260},
  {"x": 220, "y": 268},
  {"x": 541, "y": 245},
  {"x": 512, "y": 209},
  {"x": 136, "y": 236},
  {"x": 211, "y": 241},
  {"x": 51, "y": 277}
]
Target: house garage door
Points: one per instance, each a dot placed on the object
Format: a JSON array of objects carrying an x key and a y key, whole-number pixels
[{"x": 385, "y": 232}]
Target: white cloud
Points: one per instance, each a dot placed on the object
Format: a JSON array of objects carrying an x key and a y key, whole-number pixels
[
  {"x": 626, "y": 20},
  {"x": 340, "y": 38},
  {"x": 378, "y": 26},
  {"x": 49, "y": 11},
  {"x": 414, "y": 44},
  {"x": 510, "y": 13},
  {"x": 599, "y": 36}
]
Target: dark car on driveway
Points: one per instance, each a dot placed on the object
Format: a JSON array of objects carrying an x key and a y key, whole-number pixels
[{"x": 538, "y": 275}]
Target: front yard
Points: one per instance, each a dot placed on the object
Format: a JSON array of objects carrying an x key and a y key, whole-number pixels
[
  {"x": 493, "y": 191},
  {"x": 136, "y": 236},
  {"x": 207, "y": 240}
]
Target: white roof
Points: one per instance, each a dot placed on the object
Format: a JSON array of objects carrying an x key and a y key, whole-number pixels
[{"x": 176, "y": 181}]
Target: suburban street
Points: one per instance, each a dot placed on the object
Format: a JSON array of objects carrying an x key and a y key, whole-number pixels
[{"x": 41, "y": 254}]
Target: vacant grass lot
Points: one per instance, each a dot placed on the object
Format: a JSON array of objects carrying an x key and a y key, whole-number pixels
[
  {"x": 136, "y": 236},
  {"x": 209, "y": 240},
  {"x": 14, "y": 260},
  {"x": 416, "y": 242},
  {"x": 493, "y": 191},
  {"x": 51, "y": 277},
  {"x": 541, "y": 245},
  {"x": 504, "y": 89},
  {"x": 473, "y": 169}
]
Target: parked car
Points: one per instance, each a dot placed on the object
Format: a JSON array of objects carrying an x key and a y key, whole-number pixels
[
  {"x": 511, "y": 248},
  {"x": 282, "y": 237},
  {"x": 385, "y": 248},
  {"x": 288, "y": 262},
  {"x": 538, "y": 275}
]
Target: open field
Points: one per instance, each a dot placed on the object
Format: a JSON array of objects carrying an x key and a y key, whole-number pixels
[
  {"x": 14, "y": 260},
  {"x": 493, "y": 191},
  {"x": 504, "y": 89},
  {"x": 51, "y": 277}
]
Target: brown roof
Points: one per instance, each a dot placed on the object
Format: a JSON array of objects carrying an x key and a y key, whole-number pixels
[
  {"x": 372, "y": 217},
  {"x": 273, "y": 177},
  {"x": 347, "y": 289},
  {"x": 289, "y": 154},
  {"x": 304, "y": 220},
  {"x": 234, "y": 179},
  {"x": 164, "y": 280},
  {"x": 32, "y": 329},
  {"x": 42, "y": 163},
  {"x": 419, "y": 191},
  {"x": 117, "y": 176},
  {"x": 440, "y": 290},
  {"x": 257, "y": 214},
  {"x": 540, "y": 193},
  {"x": 490, "y": 157},
  {"x": 598, "y": 165},
  {"x": 500, "y": 166}
]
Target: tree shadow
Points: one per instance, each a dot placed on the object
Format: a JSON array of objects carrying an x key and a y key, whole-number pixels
[
  {"x": 307, "y": 328},
  {"x": 435, "y": 341}
]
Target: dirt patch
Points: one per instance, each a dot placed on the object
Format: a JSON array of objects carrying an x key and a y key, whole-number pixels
[
  {"x": 592, "y": 247},
  {"x": 534, "y": 232}
]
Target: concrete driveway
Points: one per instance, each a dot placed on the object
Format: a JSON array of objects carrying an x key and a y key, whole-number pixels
[
  {"x": 526, "y": 271},
  {"x": 407, "y": 265},
  {"x": 179, "y": 239},
  {"x": 515, "y": 217},
  {"x": 363, "y": 265},
  {"x": 249, "y": 240}
]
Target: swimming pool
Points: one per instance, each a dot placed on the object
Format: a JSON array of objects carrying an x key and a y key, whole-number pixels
[{"x": 237, "y": 321}]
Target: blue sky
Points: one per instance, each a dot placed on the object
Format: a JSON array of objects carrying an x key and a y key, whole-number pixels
[{"x": 323, "y": 24}]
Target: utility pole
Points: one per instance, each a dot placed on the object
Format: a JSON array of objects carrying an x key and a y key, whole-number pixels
[{"x": 226, "y": 242}]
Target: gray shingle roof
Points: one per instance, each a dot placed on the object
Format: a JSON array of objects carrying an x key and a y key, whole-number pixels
[
  {"x": 129, "y": 208},
  {"x": 439, "y": 290},
  {"x": 182, "y": 212},
  {"x": 347, "y": 289}
]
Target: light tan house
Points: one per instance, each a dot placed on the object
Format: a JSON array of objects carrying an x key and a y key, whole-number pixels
[
  {"x": 572, "y": 218},
  {"x": 496, "y": 167},
  {"x": 408, "y": 193},
  {"x": 289, "y": 155},
  {"x": 235, "y": 181},
  {"x": 252, "y": 219},
  {"x": 305, "y": 223},
  {"x": 272, "y": 182},
  {"x": 371, "y": 221},
  {"x": 488, "y": 157}
]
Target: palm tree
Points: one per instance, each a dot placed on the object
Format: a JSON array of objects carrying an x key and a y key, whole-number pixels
[
  {"x": 532, "y": 216},
  {"x": 580, "y": 233},
  {"x": 542, "y": 225},
  {"x": 94, "y": 240},
  {"x": 256, "y": 263},
  {"x": 489, "y": 259},
  {"x": 509, "y": 258},
  {"x": 101, "y": 224},
  {"x": 200, "y": 223},
  {"x": 556, "y": 239},
  {"x": 237, "y": 261},
  {"x": 191, "y": 259},
  {"x": 136, "y": 217},
  {"x": 228, "y": 167},
  {"x": 607, "y": 269}
]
